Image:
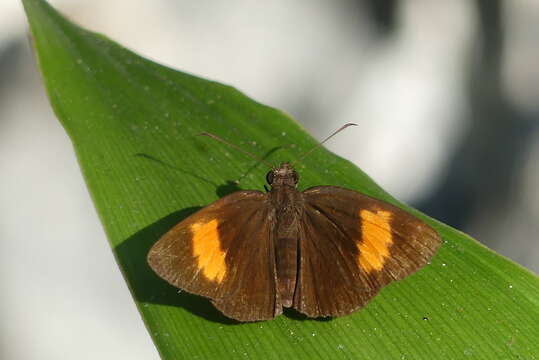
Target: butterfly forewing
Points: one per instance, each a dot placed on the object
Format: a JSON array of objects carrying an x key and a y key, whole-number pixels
[
  {"x": 350, "y": 246},
  {"x": 225, "y": 252}
]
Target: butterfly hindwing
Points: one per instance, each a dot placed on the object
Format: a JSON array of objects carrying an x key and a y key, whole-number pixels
[
  {"x": 350, "y": 246},
  {"x": 224, "y": 252}
]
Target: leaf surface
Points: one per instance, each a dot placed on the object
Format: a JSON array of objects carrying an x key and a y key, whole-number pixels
[{"x": 133, "y": 124}]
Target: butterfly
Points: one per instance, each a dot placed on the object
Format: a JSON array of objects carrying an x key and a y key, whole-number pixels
[{"x": 325, "y": 251}]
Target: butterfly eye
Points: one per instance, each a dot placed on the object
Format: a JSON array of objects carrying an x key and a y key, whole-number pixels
[{"x": 269, "y": 177}]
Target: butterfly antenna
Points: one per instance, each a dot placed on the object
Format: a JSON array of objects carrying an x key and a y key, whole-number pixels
[
  {"x": 215, "y": 137},
  {"x": 322, "y": 142}
]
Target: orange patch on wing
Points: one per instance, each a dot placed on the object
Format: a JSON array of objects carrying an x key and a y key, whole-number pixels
[
  {"x": 375, "y": 239},
  {"x": 207, "y": 249}
]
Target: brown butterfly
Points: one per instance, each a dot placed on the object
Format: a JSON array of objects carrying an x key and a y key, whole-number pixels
[{"x": 325, "y": 251}]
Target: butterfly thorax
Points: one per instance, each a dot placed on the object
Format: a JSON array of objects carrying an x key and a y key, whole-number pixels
[{"x": 285, "y": 198}]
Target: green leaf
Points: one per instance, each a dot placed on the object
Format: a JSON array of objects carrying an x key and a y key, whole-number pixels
[{"x": 133, "y": 124}]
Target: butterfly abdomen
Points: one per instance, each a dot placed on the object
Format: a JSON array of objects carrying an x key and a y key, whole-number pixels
[{"x": 286, "y": 250}]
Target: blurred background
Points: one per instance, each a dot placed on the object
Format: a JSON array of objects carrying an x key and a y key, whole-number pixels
[{"x": 446, "y": 95}]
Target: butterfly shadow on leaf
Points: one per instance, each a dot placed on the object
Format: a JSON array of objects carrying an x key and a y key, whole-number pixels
[{"x": 145, "y": 285}]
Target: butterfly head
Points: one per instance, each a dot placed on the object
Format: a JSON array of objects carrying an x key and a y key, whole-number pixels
[{"x": 283, "y": 175}]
